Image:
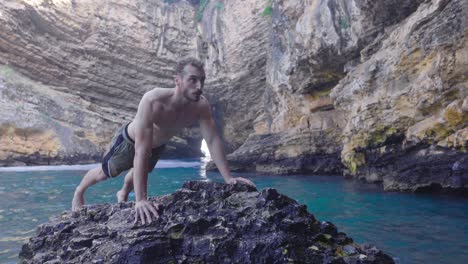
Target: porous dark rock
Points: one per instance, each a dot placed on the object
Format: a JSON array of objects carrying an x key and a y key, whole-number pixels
[{"x": 204, "y": 222}]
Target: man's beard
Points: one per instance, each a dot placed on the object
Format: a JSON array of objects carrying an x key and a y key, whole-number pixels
[{"x": 194, "y": 97}]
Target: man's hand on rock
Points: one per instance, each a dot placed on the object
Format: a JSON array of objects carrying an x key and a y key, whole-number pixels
[
  {"x": 145, "y": 210},
  {"x": 240, "y": 180}
]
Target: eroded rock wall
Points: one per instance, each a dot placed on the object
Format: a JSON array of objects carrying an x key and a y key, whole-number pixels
[
  {"x": 312, "y": 45},
  {"x": 73, "y": 71},
  {"x": 406, "y": 103},
  {"x": 233, "y": 41},
  {"x": 375, "y": 89}
]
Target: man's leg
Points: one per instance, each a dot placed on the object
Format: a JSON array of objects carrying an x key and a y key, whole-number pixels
[
  {"x": 92, "y": 177},
  {"x": 122, "y": 195}
]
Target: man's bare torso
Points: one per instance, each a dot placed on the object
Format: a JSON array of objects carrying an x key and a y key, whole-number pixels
[{"x": 170, "y": 118}]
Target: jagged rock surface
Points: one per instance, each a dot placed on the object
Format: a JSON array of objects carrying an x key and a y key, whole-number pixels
[{"x": 202, "y": 222}]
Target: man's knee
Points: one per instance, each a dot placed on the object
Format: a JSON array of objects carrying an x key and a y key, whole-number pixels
[
  {"x": 129, "y": 174},
  {"x": 99, "y": 174}
]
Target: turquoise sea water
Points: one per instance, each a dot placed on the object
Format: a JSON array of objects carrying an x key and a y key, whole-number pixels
[{"x": 411, "y": 228}]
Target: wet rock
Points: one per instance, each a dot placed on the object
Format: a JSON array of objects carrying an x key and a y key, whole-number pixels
[
  {"x": 202, "y": 222},
  {"x": 350, "y": 250}
]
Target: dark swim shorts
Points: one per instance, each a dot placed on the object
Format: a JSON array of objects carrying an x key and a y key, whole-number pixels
[{"x": 121, "y": 154}]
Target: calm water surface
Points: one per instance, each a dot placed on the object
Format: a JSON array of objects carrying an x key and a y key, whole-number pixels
[{"x": 411, "y": 228}]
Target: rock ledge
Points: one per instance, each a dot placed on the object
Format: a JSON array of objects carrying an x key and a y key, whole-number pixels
[{"x": 204, "y": 222}]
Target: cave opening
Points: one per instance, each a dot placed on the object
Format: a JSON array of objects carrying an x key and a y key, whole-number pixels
[{"x": 204, "y": 149}]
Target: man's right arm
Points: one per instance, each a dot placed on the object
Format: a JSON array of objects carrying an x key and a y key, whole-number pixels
[{"x": 143, "y": 128}]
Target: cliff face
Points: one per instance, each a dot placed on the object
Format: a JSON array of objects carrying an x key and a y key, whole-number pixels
[
  {"x": 36, "y": 128},
  {"x": 233, "y": 40},
  {"x": 371, "y": 89},
  {"x": 407, "y": 103},
  {"x": 73, "y": 71},
  {"x": 311, "y": 45}
]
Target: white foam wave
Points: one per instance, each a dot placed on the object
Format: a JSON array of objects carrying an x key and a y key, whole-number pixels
[
  {"x": 161, "y": 164},
  {"x": 50, "y": 168},
  {"x": 177, "y": 164}
]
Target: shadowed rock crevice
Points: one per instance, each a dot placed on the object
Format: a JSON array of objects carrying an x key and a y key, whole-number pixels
[{"x": 202, "y": 222}]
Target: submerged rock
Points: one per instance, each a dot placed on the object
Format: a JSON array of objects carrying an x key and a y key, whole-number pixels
[{"x": 204, "y": 222}]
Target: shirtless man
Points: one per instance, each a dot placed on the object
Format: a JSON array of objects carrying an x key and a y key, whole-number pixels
[{"x": 136, "y": 146}]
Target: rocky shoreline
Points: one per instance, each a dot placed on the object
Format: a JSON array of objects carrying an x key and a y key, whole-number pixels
[
  {"x": 204, "y": 222},
  {"x": 417, "y": 168}
]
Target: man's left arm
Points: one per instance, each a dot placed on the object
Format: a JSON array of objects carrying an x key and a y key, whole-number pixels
[{"x": 215, "y": 144}]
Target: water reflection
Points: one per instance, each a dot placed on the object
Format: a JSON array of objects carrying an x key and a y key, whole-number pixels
[{"x": 204, "y": 163}]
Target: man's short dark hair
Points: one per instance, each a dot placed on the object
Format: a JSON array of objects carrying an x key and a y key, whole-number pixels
[{"x": 179, "y": 70}]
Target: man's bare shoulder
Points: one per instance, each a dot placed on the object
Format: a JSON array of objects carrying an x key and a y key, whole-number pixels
[
  {"x": 155, "y": 99},
  {"x": 159, "y": 94}
]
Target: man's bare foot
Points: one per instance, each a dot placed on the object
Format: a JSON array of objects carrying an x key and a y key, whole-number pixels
[
  {"x": 78, "y": 201},
  {"x": 122, "y": 196}
]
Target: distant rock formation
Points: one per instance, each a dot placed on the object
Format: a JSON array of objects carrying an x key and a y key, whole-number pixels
[{"x": 204, "y": 222}]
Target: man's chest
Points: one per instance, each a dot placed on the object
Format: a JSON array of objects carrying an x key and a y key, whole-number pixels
[{"x": 174, "y": 122}]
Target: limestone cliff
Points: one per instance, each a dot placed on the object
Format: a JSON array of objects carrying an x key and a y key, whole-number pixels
[
  {"x": 233, "y": 40},
  {"x": 371, "y": 89},
  {"x": 73, "y": 71},
  {"x": 406, "y": 103}
]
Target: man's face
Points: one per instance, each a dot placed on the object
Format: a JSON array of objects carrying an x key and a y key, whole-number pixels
[{"x": 191, "y": 82}]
